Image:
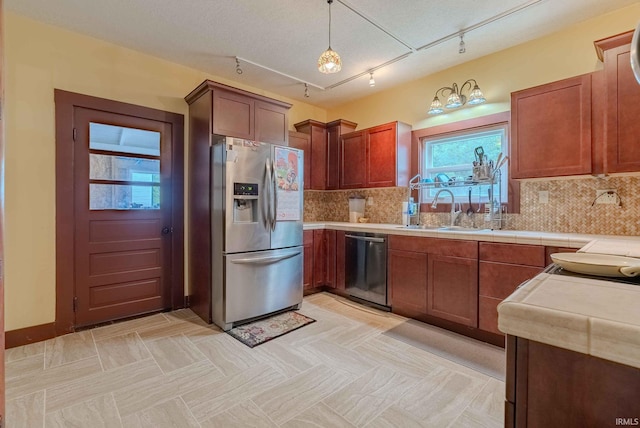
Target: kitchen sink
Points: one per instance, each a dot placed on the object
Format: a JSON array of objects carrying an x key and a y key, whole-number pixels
[
  {"x": 431, "y": 227},
  {"x": 460, "y": 228}
]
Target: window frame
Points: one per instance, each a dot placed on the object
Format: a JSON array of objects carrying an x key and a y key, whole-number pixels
[
  {"x": 429, "y": 193},
  {"x": 475, "y": 124}
]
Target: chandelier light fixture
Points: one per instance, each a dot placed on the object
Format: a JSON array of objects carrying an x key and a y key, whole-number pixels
[
  {"x": 454, "y": 97},
  {"x": 329, "y": 61}
]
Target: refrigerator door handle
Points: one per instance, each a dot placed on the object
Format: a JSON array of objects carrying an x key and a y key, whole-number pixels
[
  {"x": 266, "y": 200},
  {"x": 275, "y": 197},
  {"x": 266, "y": 260}
]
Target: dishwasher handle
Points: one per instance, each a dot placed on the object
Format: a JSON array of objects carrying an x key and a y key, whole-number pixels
[{"x": 366, "y": 238}]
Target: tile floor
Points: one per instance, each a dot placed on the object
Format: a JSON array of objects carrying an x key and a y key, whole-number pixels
[{"x": 173, "y": 370}]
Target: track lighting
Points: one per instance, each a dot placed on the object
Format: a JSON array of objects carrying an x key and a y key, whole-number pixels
[
  {"x": 372, "y": 82},
  {"x": 306, "y": 90},
  {"x": 238, "y": 69},
  {"x": 461, "y": 47}
]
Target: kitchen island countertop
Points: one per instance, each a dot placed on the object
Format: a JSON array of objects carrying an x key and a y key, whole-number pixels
[{"x": 597, "y": 317}]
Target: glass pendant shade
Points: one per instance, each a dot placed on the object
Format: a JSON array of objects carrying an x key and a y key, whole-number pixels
[
  {"x": 329, "y": 62},
  {"x": 453, "y": 101},
  {"x": 476, "y": 96},
  {"x": 436, "y": 106}
]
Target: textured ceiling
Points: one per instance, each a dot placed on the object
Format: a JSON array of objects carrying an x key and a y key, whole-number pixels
[{"x": 288, "y": 35}]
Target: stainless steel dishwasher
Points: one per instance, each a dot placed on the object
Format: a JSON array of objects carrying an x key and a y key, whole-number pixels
[{"x": 366, "y": 266}]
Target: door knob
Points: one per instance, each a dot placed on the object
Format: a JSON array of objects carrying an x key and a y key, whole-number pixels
[{"x": 166, "y": 230}]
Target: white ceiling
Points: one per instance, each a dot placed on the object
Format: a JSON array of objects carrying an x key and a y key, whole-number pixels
[{"x": 289, "y": 35}]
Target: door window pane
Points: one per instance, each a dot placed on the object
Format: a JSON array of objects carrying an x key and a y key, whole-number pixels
[
  {"x": 123, "y": 140},
  {"x": 105, "y": 167},
  {"x": 124, "y": 197}
]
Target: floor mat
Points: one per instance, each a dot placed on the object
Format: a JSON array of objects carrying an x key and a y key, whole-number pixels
[
  {"x": 258, "y": 332},
  {"x": 480, "y": 356}
]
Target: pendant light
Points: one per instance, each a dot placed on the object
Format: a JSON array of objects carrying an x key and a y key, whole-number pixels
[{"x": 329, "y": 61}]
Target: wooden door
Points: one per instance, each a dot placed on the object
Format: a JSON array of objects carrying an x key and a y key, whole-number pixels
[
  {"x": 123, "y": 221},
  {"x": 408, "y": 282},
  {"x": 381, "y": 156},
  {"x": 453, "y": 289},
  {"x": 352, "y": 160},
  {"x": 2, "y": 396}
]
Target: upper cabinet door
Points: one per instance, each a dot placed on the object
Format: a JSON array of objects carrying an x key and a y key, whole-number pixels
[
  {"x": 551, "y": 129},
  {"x": 352, "y": 160},
  {"x": 271, "y": 123},
  {"x": 233, "y": 115},
  {"x": 381, "y": 156},
  {"x": 622, "y": 112}
]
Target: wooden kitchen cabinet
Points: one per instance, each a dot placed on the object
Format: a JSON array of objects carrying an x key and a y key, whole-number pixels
[
  {"x": 302, "y": 141},
  {"x": 307, "y": 273},
  {"x": 324, "y": 154},
  {"x": 551, "y": 130},
  {"x": 335, "y": 129},
  {"x": 435, "y": 277},
  {"x": 376, "y": 157},
  {"x": 324, "y": 258},
  {"x": 622, "y": 105},
  {"x": 340, "y": 263},
  {"x": 407, "y": 276},
  {"x": 452, "y": 289},
  {"x": 241, "y": 114},
  {"x": 547, "y": 386},
  {"x": 502, "y": 268}
]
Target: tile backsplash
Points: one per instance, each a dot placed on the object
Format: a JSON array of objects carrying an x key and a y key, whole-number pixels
[{"x": 569, "y": 208}]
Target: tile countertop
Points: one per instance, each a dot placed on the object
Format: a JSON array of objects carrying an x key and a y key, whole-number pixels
[
  {"x": 591, "y": 316},
  {"x": 569, "y": 240}
]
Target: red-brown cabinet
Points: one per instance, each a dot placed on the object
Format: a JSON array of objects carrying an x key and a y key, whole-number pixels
[
  {"x": 237, "y": 113},
  {"x": 551, "y": 129},
  {"x": 324, "y": 153},
  {"x": 376, "y": 157},
  {"x": 452, "y": 289},
  {"x": 502, "y": 268},
  {"x": 622, "y": 105},
  {"x": 324, "y": 258},
  {"x": 407, "y": 282},
  {"x": 547, "y": 386},
  {"x": 435, "y": 277},
  {"x": 307, "y": 273}
]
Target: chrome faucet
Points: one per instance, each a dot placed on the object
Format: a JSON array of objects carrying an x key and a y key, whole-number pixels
[{"x": 454, "y": 213}]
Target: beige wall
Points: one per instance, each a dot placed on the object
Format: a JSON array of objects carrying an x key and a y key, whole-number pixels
[
  {"x": 38, "y": 59},
  {"x": 564, "y": 54}
]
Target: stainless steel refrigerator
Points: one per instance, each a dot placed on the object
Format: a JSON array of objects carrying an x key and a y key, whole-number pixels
[{"x": 256, "y": 229}]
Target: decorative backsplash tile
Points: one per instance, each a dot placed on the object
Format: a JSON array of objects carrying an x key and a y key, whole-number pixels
[{"x": 569, "y": 208}]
